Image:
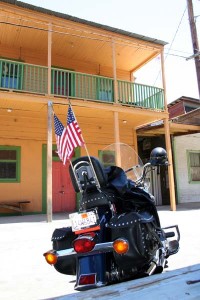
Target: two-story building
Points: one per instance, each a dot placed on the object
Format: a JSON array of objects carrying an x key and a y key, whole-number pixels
[{"x": 48, "y": 59}]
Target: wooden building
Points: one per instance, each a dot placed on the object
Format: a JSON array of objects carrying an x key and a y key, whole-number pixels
[
  {"x": 184, "y": 129},
  {"x": 182, "y": 106},
  {"x": 48, "y": 58}
]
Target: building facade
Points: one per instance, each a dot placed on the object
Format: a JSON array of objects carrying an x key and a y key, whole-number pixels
[{"x": 48, "y": 59}]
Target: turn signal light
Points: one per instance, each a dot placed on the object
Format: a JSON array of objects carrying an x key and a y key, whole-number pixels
[
  {"x": 51, "y": 258},
  {"x": 83, "y": 245},
  {"x": 120, "y": 246}
]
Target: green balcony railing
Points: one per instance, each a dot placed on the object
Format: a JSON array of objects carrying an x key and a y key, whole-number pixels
[
  {"x": 65, "y": 83},
  {"x": 83, "y": 86},
  {"x": 140, "y": 95}
]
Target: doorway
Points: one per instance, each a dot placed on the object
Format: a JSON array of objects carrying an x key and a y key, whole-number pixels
[
  {"x": 63, "y": 194},
  {"x": 64, "y": 198}
]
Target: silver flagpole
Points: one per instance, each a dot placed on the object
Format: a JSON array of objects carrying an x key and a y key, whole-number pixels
[{"x": 96, "y": 179}]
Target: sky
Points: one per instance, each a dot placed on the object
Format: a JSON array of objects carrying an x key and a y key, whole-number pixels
[{"x": 166, "y": 20}]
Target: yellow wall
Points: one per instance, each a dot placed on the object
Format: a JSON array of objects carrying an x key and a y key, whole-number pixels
[{"x": 30, "y": 186}]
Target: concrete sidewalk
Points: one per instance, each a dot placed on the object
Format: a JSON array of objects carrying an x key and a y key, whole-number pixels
[{"x": 26, "y": 276}]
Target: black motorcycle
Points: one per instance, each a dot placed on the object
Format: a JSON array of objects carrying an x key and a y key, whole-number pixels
[{"x": 116, "y": 235}]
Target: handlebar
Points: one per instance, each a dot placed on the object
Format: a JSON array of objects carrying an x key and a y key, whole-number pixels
[{"x": 140, "y": 180}]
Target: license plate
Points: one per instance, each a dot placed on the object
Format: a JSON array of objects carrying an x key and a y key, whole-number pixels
[{"x": 84, "y": 220}]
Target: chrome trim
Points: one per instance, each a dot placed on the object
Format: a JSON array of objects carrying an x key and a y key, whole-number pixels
[{"x": 98, "y": 248}]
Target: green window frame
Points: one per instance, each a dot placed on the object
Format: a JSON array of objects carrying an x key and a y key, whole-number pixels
[
  {"x": 10, "y": 164},
  {"x": 193, "y": 160},
  {"x": 107, "y": 157}
]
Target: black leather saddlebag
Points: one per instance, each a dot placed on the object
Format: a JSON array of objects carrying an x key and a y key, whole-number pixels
[
  {"x": 139, "y": 230},
  {"x": 62, "y": 238}
]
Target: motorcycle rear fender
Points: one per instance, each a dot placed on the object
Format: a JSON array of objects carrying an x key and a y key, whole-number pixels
[{"x": 71, "y": 263}]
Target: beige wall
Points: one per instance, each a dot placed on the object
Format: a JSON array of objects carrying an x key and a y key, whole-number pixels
[{"x": 30, "y": 185}]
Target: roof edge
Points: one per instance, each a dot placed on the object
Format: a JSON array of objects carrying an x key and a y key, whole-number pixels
[{"x": 83, "y": 21}]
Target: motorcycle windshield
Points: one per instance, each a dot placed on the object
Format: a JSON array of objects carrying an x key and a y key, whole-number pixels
[{"x": 125, "y": 157}]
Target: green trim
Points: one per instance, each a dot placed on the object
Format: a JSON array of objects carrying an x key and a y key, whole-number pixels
[
  {"x": 44, "y": 174},
  {"x": 188, "y": 166},
  {"x": 109, "y": 152},
  {"x": 17, "y": 161},
  {"x": 82, "y": 86}
]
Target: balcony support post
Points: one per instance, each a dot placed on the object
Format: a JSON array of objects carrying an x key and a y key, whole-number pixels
[
  {"x": 168, "y": 143},
  {"x": 116, "y": 114},
  {"x": 163, "y": 79},
  {"x": 114, "y": 72},
  {"x": 49, "y": 133},
  {"x": 170, "y": 166}
]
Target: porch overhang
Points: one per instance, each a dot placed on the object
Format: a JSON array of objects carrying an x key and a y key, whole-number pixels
[
  {"x": 26, "y": 105},
  {"x": 175, "y": 129},
  {"x": 72, "y": 35}
]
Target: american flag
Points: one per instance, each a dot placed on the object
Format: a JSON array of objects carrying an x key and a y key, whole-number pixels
[{"x": 67, "y": 138}]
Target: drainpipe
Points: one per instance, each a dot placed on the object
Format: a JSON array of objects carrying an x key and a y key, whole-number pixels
[
  {"x": 168, "y": 143},
  {"x": 49, "y": 132}
]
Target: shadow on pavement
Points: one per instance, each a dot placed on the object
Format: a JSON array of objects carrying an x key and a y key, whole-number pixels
[
  {"x": 63, "y": 216},
  {"x": 32, "y": 218}
]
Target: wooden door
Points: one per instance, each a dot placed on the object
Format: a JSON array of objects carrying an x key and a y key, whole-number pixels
[{"x": 64, "y": 197}]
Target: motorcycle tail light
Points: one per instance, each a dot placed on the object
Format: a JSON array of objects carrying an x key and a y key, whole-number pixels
[
  {"x": 51, "y": 258},
  {"x": 83, "y": 245},
  {"x": 87, "y": 279},
  {"x": 121, "y": 246}
]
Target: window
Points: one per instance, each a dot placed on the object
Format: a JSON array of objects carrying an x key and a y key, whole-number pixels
[
  {"x": 10, "y": 164},
  {"x": 189, "y": 108},
  {"x": 107, "y": 158},
  {"x": 11, "y": 75},
  {"x": 194, "y": 166}
]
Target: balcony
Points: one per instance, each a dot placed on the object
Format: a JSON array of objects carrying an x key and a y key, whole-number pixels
[{"x": 30, "y": 78}]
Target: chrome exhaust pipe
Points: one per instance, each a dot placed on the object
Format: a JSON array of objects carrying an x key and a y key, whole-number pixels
[{"x": 151, "y": 268}]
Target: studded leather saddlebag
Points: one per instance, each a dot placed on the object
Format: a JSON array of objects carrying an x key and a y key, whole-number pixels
[
  {"x": 62, "y": 238},
  {"x": 139, "y": 230}
]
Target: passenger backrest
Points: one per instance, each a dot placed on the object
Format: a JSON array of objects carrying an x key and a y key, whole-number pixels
[{"x": 85, "y": 173}]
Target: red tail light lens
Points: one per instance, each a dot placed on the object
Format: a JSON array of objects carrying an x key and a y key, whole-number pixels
[
  {"x": 83, "y": 245},
  {"x": 87, "y": 279}
]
